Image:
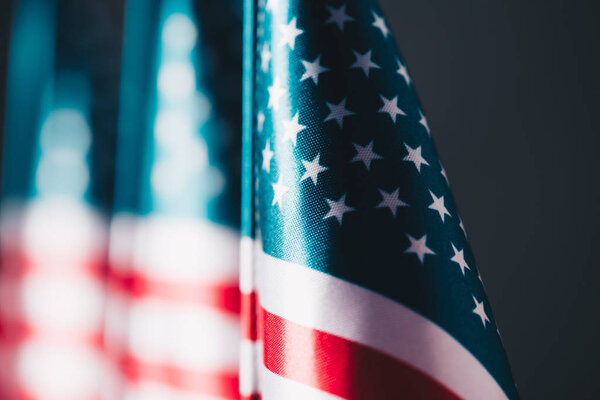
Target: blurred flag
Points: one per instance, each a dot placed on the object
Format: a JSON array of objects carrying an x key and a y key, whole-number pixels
[
  {"x": 53, "y": 207},
  {"x": 172, "y": 327},
  {"x": 149, "y": 310},
  {"x": 357, "y": 278}
]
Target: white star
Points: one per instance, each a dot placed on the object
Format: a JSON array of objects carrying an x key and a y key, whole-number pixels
[
  {"x": 402, "y": 71},
  {"x": 459, "y": 258},
  {"x": 364, "y": 62},
  {"x": 480, "y": 311},
  {"x": 337, "y": 209},
  {"x": 365, "y": 154},
  {"x": 267, "y": 155},
  {"x": 265, "y": 57},
  {"x": 279, "y": 189},
  {"x": 313, "y": 69},
  {"x": 291, "y": 129},
  {"x": 390, "y": 106},
  {"x": 275, "y": 93},
  {"x": 313, "y": 169},
  {"x": 438, "y": 205},
  {"x": 289, "y": 33},
  {"x": 462, "y": 226},
  {"x": 338, "y": 112},
  {"x": 414, "y": 156},
  {"x": 391, "y": 200},
  {"x": 419, "y": 247},
  {"x": 260, "y": 121},
  {"x": 443, "y": 172},
  {"x": 338, "y": 16},
  {"x": 423, "y": 121},
  {"x": 379, "y": 23}
]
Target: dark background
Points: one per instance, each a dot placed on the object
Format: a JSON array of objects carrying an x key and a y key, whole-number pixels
[{"x": 511, "y": 92}]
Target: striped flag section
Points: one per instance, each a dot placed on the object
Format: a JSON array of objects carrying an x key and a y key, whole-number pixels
[
  {"x": 173, "y": 308},
  {"x": 323, "y": 341},
  {"x": 51, "y": 300}
]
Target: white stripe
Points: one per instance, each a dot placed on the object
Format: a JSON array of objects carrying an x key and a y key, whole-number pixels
[
  {"x": 64, "y": 228},
  {"x": 122, "y": 239},
  {"x": 320, "y": 301},
  {"x": 53, "y": 371},
  {"x": 66, "y": 303},
  {"x": 246, "y": 264},
  {"x": 188, "y": 336},
  {"x": 250, "y": 359},
  {"x": 274, "y": 386},
  {"x": 175, "y": 249},
  {"x": 158, "y": 391},
  {"x": 250, "y": 249}
]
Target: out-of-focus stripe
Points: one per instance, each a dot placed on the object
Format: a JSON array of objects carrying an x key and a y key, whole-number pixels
[
  {"x": 173, "y": 308},
  {"x": 51, "y": 300},
  {"x": 174, "y": 249},
  {"x": 212, "y": 382},
  {"x": 222, "y": 296}
]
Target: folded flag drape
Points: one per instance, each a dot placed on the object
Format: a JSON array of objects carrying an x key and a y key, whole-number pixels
[{"x": 241, "y": 199}]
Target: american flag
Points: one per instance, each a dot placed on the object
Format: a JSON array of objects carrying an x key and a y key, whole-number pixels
[
  {"x": 357, "y": 277},
  {"x": 122, "y": 271}
]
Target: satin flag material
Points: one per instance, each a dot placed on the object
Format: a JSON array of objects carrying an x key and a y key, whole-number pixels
[{"x": 357, "y": 277}]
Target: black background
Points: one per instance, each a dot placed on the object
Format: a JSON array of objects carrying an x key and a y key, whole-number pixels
[{"x": 511, "y": 92}]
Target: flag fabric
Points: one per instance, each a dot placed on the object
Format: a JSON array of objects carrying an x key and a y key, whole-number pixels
[
  {"x": 168, "y": 192},
  {"x": 357, "y": 276}
]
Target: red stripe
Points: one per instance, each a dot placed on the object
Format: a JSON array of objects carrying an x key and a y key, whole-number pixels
[
  {"x": 253, "y": 396},
  {"x": 341, "y": 367},
  {"x": 223, "y": 296},
  {"x": 249, "y": 316},
  {"x": 215, "y": 383},
  {"x": 28, "y": 394},
  {"x": 16, "y": 264},
  {"x": 16, "y": 331}
]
